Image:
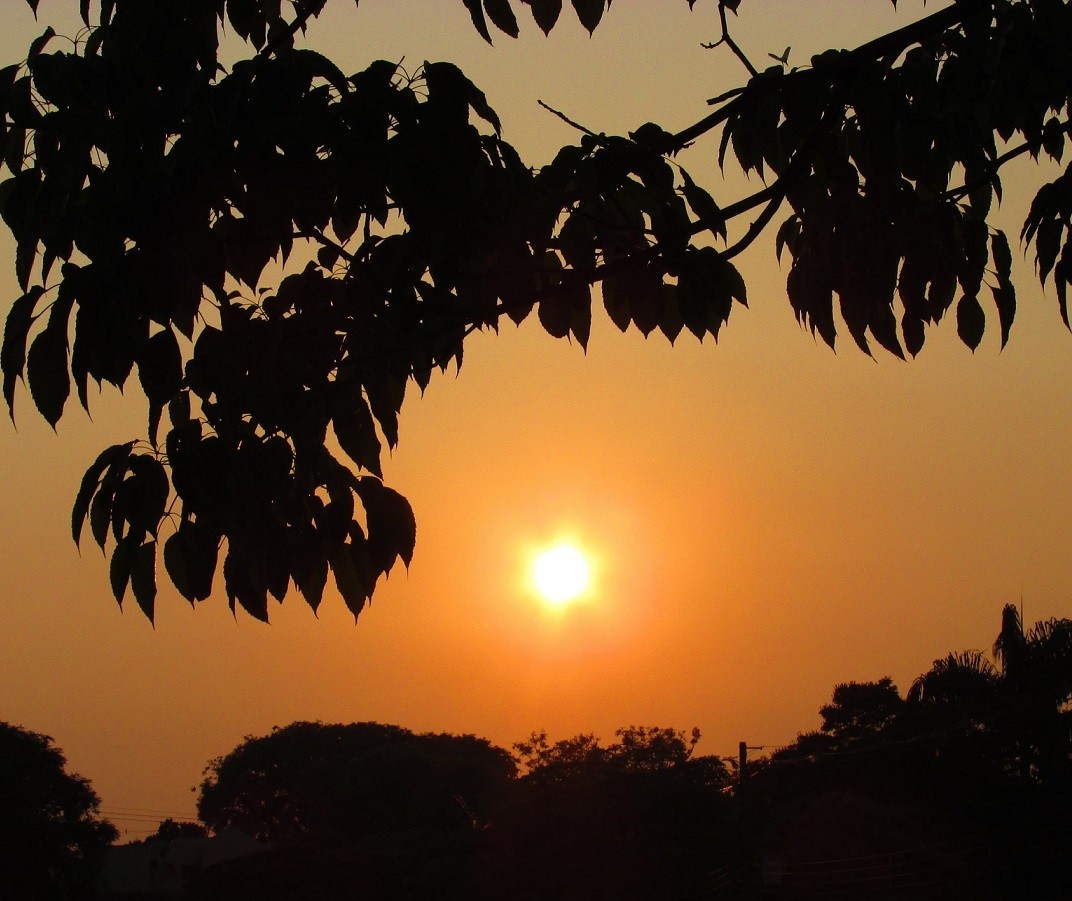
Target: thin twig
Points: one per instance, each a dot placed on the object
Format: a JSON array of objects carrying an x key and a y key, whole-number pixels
[
  {"x": 570, "y": 122},
  {"x": 732, "y": 44},
  {"x": 727, "y": 95}
]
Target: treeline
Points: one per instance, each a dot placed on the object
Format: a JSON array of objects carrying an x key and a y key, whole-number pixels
[
  {"x": 374, "y": 811},
  {"x": 959, "y": 787}
]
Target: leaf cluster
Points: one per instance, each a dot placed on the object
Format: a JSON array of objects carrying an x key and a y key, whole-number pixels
[{"x": 278, "y": 249}]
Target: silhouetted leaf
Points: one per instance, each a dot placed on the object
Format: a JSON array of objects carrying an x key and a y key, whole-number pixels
[
  {"x": 322, "y": 67},
  {"x": 787, "y": 236},
  {"x": 312, "y": 581},
  {"x": 146, "y": 493},
  {"x": 241, "y": 588},
  {"x": 580, "y": 302},
  {"x": 120, "y": 567},
  {"x": 353, "y": 574},
  {"x": 246, "y": 19},
  {"x": 100, "y": 515},
  {"x": 1005, "y": 298},
  {"x": 353, "y": 425},
  {"x": 971, "y": 321},
  {"x": 14, "y": 154},
  {"x": 555, "y": 314},
  {"x": 1062, "y": 275},
  {"x": 671, "y": 323},
  {"x": 117, "y": 454},
  {"x": 545, "y": 13},
  {"x": 502, "y": 15},
  {"x": 590, "y": 12},
  {"x": 912, "y": 328},
  {"x": 178, "y": 569},
  {"x": 13, "y": 351},
  {"x": 1002, "y": 254},
  {"x": 729, "y": 276},
  {"x": 143, "y": 578},
  {"x": 385, "y": 395},
  {"x": 616, "y": 297},
  {"x": 392, "y": 529},
  {"x": 646, "y": 301},
  {"x": 577, "y": 240},
  {"x": 476, "y": 12},
  {"x": 1047, "y": 246},
  {"x": 160, "y": 374},
  {"x": 1053, "y": 139},
  {"x": 706, "y": 287},
  {"x": 448, "y": 85},
  {"x": 973, "y": 263},
  {"x": 46, "y": 371},
  {"x": 25, "y": 253},
  {"x": 190, "y": 557}
]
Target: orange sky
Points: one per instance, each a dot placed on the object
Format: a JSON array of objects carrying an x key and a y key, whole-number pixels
[{"x": 768, "y": 517}]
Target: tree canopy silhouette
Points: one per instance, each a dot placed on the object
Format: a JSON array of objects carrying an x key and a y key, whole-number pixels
[
  {"x": 972, "y": 771},
  {"x": 341, "y": 783},
  {"x": 149, "y": 192},
  {"x": 54, "y": 837}
]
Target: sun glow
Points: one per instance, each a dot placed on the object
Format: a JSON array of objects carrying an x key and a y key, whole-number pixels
[{"x": 561, "y": 574}]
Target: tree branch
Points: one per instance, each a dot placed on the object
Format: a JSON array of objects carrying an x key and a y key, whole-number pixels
[
  {"x": 995, "y": 166},
  {"x": 569, "y": 121},
  {"x": 893, "y": 43},
  {"x": 732, "y": 44}
]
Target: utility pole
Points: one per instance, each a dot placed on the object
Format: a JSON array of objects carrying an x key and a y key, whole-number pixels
[
  {"x": 747, "y": 875},
  {"x": 742, "y": 762}
]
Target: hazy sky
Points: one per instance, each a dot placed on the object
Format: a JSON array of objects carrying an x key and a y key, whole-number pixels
[{"x": 768, "y": 518}]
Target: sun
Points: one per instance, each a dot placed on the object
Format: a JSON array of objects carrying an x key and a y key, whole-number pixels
[{"x": 560, "y": 574}]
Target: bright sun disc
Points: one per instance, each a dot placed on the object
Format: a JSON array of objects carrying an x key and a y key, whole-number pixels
[{"x": 560, "y": 574}]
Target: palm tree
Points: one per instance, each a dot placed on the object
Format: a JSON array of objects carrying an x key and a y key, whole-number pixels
[
  {"x": 1036, "y": 687},
  {"x": 965, "y": 679}
]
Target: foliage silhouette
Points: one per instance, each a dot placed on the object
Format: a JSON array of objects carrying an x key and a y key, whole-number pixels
[
  {"x": 374, "y": 811},
  {"x": 973, "y": 768},
  {"x": 860, "y": 708},
  {"x": 342, "y": 783},
  {"x": 642, "y": 817},
  {"x": 149, "y": 192},
  {"x": 170, "y": 829},
  {"x": 958, "y": 789},
  {"x": 54, "y": 837}
]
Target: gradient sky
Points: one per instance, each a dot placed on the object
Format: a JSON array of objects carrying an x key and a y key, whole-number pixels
[{"x": 767, "y": 517}]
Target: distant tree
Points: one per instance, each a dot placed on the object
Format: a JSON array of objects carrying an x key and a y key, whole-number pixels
[
  {"x": 641, "y": 817},
  {"x": 148, "y": 192},
  {"x": 170, "y": 829},
  {"x": 341, "y": 783},
  {"x": 1015, "y": 718},
  {"x": 53, "y": 835},
  {"x": 361, "y": 810},
  {"x": 861, "y": 709},
  {"x": 1036, "y": 688},
  {"x": 971, "y": 743}
]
